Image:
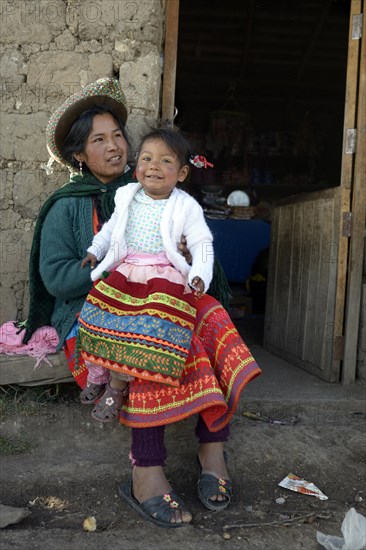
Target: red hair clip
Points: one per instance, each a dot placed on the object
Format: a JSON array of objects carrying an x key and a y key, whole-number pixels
[{"x": 199, "y": 161}]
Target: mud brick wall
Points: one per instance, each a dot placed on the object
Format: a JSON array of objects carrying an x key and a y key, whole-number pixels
[{"x": 49, "y": 49}]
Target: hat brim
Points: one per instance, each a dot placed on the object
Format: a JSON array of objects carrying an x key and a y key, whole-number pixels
[
  {"x": 105, "y": 91},
  {"x": 74, "y": 111}
]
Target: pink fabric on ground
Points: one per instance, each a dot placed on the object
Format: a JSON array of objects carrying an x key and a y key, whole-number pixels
[{"x": 43, "y": 342}]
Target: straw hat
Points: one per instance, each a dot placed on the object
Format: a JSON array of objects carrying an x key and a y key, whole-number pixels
[{"x": 106, "y": 91}]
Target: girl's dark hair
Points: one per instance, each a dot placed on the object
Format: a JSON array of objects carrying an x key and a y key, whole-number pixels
[
  {"x": 75, "y": 140},
  {"x": 174, "y": 140}
]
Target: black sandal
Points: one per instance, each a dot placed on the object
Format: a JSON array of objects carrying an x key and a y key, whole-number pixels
[
  {"x": 162, "y": 506},
  {"x": 209, "y": 485}
]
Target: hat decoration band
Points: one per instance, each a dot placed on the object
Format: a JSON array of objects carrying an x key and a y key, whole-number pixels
[{"x": 199, "y": 161}]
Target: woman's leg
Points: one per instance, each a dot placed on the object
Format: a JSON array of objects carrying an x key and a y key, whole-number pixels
[
  {"x": 205, "y": 436},
  {"x": 147, "y": 447},
  {"x": 230, "y": 358},
  {"x": 148, "y": 456},
  {"x": 211, "y": 453}
]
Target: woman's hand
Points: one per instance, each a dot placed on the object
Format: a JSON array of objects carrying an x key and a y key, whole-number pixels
[
  {"x": 199, "y": 286},
  {"x": 89, "y": 258},
  {"x": 182, "y": 247}
]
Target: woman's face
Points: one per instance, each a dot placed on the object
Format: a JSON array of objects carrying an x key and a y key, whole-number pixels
[
  {"x": 158, "y": 169},
  {"x": 106, "y": 149}
]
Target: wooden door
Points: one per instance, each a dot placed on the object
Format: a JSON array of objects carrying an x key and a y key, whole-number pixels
[
  {"x": 315, "y": 266},
  {"x": 306, "y": 243}
]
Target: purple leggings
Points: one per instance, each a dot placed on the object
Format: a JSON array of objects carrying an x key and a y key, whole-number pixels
[{"x": 148, "y": 447}]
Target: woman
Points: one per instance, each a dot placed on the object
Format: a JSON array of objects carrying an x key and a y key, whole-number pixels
[{"x": 87, "y": 134}]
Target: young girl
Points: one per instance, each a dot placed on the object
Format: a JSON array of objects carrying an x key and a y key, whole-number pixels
[{"x": 138, "y": 321}]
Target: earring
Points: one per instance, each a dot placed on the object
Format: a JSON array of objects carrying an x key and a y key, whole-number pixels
[{"x": 80, "y": 168}]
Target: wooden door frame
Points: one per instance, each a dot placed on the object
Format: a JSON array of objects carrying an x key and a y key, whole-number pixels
[
  {"x": 349, "y": 121},
  {"x": 170, "y": 60},
  {"x": 355, "y": 170}
]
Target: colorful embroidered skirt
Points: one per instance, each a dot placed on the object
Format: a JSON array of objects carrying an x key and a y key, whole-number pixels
[
  {"x": 139, "y": 320},
  {"x": 218, "y": 368}
]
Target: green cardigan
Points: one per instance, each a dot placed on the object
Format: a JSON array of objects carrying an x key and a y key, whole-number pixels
[
  {"x": 64, "y": 230},
  {"x": 67, "y": 233}
]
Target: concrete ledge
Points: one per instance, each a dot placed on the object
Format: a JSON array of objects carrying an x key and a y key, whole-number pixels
[{"x": 19, "y": 369}]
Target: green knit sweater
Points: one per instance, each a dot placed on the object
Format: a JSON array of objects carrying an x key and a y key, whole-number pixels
[{"x": 64, "y": 230}]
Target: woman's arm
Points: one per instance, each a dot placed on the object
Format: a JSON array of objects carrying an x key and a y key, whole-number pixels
[{"x": 64, "y": 239}]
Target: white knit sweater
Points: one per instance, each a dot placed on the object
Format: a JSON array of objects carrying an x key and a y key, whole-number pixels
[{"x": 182, "y": 215}]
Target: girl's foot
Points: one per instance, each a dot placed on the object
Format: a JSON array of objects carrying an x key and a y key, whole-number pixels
[
  {"x": 109, "y": 405},
  {"x": 91, "y": 393},
  {"x": 212, "y": 461},
  {"x": 151, "y": 482}
]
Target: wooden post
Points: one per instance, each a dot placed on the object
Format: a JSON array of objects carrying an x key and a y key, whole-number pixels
[
  {"x": 350, "y": 121},
  {"x": 170, "y": 60},
  {"x": 351, "y": 97},
  {"x": 358, "y": 228}
]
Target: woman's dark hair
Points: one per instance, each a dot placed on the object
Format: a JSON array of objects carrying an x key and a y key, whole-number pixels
[
  {"x": 75, "y": 140},
  {"x": 174, "y": 140}
]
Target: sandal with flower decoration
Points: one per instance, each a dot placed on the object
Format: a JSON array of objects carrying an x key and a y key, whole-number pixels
[
  {"x": 209, "y": 485},
  {"x": 162, "y": 506},
  {"x": 91, "y": 393},
  {"x": 109, "y": 406}
]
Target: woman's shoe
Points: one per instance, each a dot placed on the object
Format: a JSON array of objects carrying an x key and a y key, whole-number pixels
[
  {"x": 109, "y": 405},
  {"x": 91, "y": 393},
  {"x": 209, "y": 485},
  {"x": 162, "y": 506}
]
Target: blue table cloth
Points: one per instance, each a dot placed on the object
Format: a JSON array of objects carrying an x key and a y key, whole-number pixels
[{"x": 237, "y": 243}]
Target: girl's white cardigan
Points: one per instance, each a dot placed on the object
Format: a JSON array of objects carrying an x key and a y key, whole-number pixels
[{"x": 182, "y": 215}]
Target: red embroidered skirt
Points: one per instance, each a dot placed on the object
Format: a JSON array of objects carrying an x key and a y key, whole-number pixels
[{"x": 218, "y": 367}]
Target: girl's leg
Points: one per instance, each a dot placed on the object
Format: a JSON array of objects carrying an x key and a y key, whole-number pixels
[
  {"x": 116, "y": 391},
  {"x": 148, "y": 455},
  {"x": 96, "y": 374},
  {"x": 118, "y": 380},
  {"x": 97, "y": 379}
]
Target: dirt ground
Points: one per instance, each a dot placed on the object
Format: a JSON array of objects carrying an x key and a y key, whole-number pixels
[{"x": 72, "y": 466}]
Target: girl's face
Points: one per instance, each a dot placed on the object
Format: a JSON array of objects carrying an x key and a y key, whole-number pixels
[
  {"x": 106, "y": 150},
  {"x": 158, "y": 169}
]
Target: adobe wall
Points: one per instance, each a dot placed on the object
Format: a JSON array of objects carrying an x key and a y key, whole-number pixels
[{"x": 49, "y": 49}]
